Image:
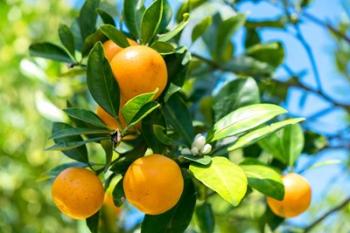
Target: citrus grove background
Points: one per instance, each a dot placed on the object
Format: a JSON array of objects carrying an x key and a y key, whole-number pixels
[{"x": 32, "y": 92}]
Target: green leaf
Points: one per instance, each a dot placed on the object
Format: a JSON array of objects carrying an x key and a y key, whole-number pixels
[
  {"x": 171, "y": 89},
  {"x": 101, "y": 83},
  {"x": 262, "y": 132},
  {"x": 148, "y": 134},
  {"x": 85, "y": 116},
  {"x": 163, "y": 48},
  {"x": 90, "y": 42},
  {"x": 285, "y": 145},
  {"x": 205, "y": 218},
  {"x": 225, "y": 31},
  {"x": 159, "y": 133},
  {"x": 49, "y": 51},
  {"x": 107, "y": 146},
  {"x": 177, "y": 219},
  {"x": 78, "y": 131},
  {"x": 223, "y": 177},
  {"x": 115, "y": 35},
  {"x": 92, "y": 222},
  {"x": 144, "y": 112},
  {"x": 176, "y": 113},
  {"x": 79, "y": 153},
  {"x": 118, "y": 193},
  {"x": 88, "y": 17},
  {"x": 200, "y": 28},
  {"x": 67, "y": 38},
  {"x": 167, "y": 15},
  {"x": 175, "y": 31},
  {"x": 271, "y": 53},
  {"x": 58, "y": 169},
  {"x": 106, "y": 18},
  {"x": 133, "y": 11},
  {"x": 151, "y": 21},
  {"x": 244, "y": 119},
  {"x": 202, "y": 160},
  {"x": 235, "y": 94},
  {"x": 265, "y": 180},
  {"x": 325, "y": 163},
  {"x": 133, "y": 106},
  {"x": 69, "y": 145}
]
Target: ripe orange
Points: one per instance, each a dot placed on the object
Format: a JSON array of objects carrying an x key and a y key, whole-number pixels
[
  {"x": 139, "y": 69},
  {"x": 111, "y": 48},
  {"x": 297, "y": 197},
  {"x": 106, "y": 118},
  {"x": 153, "y": 184},
  {"x": 78, "y": 193}
]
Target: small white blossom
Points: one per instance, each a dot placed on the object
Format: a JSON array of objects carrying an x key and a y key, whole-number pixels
[
  {"x": 199, "y": 141},
  {"x": 206, "y": 149},
  {"x": 186, "y": 151},
  {"x": 195, "y": 151}
]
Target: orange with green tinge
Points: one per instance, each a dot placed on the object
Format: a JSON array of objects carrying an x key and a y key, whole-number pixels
[{"x": 297, "y": 197}]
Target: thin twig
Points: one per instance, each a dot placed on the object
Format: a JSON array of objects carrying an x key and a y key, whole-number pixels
[{"x": 328, "y": 213}]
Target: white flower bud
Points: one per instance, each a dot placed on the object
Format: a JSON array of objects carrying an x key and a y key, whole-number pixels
[
  {"x": 185, "y": 151},
  {"x": 206, "y": 149},
  {"x": 195, "y": 151},
  {"x": 199, "y": 141}
]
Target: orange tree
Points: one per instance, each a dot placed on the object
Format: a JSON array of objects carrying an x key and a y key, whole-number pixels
[{"x": 171, "y": 142}]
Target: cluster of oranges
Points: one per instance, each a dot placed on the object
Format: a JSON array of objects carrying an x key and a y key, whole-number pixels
[{"x": 153, "y": 183}]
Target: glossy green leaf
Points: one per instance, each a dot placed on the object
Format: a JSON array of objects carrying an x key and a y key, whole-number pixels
[
  {"x": 88, "y": 17},
  {"x": 177, "y": 219},
  {"x": 223, "y": 177},
  {"x": 176, "y": 113},
  {"x": 85, "y": 116},
  {"x": 115, "y": 35},
  {"x": 202, "y": 160},
  {"x": 132, "y": 12},
  {"x": 90, "y": 42},
  {"x": 133, "y": 106},
  {"x": 107, "y": 146},
  {"x": 225, "y": 31},
  {"x": 244, "y": 119},
  {"x": 79, "y": 153},
  {"x": 92, "y": 222},
  {"x": 163, "y": 48},
  {"x": 200, "y": 28},
  {"x": 327, "y": 162},
  {"x": 106, "y": 18},
  {"x": 69, "y": 145},
  {"x": 148, "y": 134},
  {"x": 285, "y": 145},
  {"x": 167, "y": 15},
  {"x": 262, "y": 132},
  {"x": 151, "y": 21},
  {"x": 159, "y": 133},
  {"x": 101, "y": 82},
  {"x": 67, "y": 38},
  {"x": 235, "y": 94},
  {"x": 49, "y": 51},
  {"x": 205, "y": 218},
  {"x": 264, "y": 179},
  {"x": 78, "y": 131},
  {"x": 143, "y": 112},
  {"x": 118, "y": 193},
  {"x": 171, "y": 89},
  {"x": 175, "y": 31},
  {"x": 271, "y": 53}
]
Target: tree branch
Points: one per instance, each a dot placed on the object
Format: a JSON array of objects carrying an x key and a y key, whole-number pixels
[{"x": 328, "y": 213}]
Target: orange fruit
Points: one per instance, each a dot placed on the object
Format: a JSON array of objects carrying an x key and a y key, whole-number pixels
[
  {"x": 139, "y": 69},
  {"x": 297, "y": 197},
  {"x": 111, "y": 48},
  {"x": 153, "y": 184},
  {"x": 77, "y": 192},
  {"x": 109, "y": 205}
]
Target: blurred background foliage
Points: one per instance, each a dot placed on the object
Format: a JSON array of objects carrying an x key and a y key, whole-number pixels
[{"x": 32, "y": 92}]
